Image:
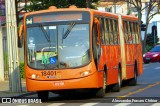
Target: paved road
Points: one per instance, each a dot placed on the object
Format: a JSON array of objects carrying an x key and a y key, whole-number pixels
[{"x": 148, "y": 86}]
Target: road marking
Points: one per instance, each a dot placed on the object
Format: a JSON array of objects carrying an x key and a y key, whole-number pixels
[
  {"x": 157, "y": 68},
  {"x": 139, "y": 90},
  {"x": 122, "y": 104},
  {"x": 89, "y": 104},
  {"x": 22, "y": 105},
  {"x": 56, "y": 104},
  {"x": 156, "y": 104}
]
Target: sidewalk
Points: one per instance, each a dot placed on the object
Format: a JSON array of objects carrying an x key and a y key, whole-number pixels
[{"x": 4, "y": 90}]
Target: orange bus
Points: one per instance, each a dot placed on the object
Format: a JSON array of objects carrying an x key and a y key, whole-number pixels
[{"x": 80, "y": 49}]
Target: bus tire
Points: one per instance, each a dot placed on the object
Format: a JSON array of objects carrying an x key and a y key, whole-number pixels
[
  {"x": 117, "y": 87},
  {"x": 102, "y": 91},
  {"x": 43, "y": 95},
  {"x": 133, "y": 81}
]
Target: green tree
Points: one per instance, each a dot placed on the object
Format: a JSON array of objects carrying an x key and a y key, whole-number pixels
[
  {"x": 150, "y": 41},
  {"x": 44, "y": 4}
]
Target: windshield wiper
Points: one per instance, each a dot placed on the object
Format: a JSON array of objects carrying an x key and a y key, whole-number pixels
[
  {"x": 47, "y": 36},
  {"x": 70, "y": 27}
]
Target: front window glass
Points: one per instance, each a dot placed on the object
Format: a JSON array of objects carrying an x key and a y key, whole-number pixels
[{"x": 58, "y": 46}]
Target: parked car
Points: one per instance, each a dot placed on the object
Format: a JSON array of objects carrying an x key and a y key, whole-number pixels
[{"x": 153, "y": 55}]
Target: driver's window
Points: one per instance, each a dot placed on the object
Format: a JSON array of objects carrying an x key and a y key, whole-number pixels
[{"x": 41, "y": 46}]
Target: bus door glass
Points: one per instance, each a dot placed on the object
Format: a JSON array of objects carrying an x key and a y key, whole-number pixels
[{"x": 96, "y": 42}]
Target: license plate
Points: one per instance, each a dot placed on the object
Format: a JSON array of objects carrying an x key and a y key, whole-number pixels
[
  {"x": 59, "y": 83},
  {"x": 48, "y": 73},
  {"x": 147, "y": 58}
]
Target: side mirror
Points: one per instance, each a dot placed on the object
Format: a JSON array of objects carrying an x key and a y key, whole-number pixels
[{"x": 20, "y": 36}]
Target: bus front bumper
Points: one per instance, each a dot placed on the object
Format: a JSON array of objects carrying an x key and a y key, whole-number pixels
[{"x": 79, "y": 83}]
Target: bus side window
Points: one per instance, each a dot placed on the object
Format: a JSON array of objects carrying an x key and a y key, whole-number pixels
[
  {"x": 125, "y": 32},
  {"x": 115, "y": 31},
  {"x": 106, "y": 31},
  {"x": 137, "y": 34},
  {"x": 129, "y": 33},
  {"x": 110, "y": 32},
  {"x": 131, "y": 29},
  {"x": 95, "y": 45},
  {"x": 99, "y": 19},
  {"x": 102, "y": 30},
  {"x": 131, "y": 39},
  {"x": 134, "y": 33},
  {"x": 118, "y": 38}
]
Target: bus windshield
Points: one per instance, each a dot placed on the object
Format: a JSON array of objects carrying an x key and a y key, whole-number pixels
[{"x": 58, "y": 46}]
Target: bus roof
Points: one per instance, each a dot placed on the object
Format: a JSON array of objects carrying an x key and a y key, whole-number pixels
[
  {"x": 55, "y": 9},
  {"x": 74, "y": 8},
  {"x": 129, "y": 17}
]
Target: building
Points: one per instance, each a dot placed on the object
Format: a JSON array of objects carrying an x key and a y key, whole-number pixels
[
  {"x": 2, "y": 12},
  {"x": 2, "y": 7},
  {"x": 114, "y": 6}
]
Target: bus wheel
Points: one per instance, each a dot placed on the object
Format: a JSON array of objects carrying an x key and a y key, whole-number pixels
[
  {"x": 43, "y": 95},
  {"x": 133, "y": 81},
  {"x": 117, "y": 87},
  {"x": 102, "y": 91}
]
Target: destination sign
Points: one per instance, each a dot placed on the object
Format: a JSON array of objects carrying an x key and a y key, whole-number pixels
[
  {"x": 50, "y": 18},
  {"x": 57, "y": 17}
]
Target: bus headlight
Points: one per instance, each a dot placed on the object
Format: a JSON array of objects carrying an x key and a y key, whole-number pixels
[
  {"x": 85, "y": 73},
  {"x": 33, "y": 76}
]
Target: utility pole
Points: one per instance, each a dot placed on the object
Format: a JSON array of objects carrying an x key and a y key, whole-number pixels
[
  {"x": 115, "y": 1},
  {"x": 1, "y": 55},
  {"x": 88, "y": 3},
  {"x": 14, "y": 72},
  {"x": 154, "y": 34}
]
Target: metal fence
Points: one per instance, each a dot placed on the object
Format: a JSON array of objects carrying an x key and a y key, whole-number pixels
[{"x": 5, "y": 55}]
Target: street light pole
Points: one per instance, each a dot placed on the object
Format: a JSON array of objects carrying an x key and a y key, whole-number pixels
[
  {"x": 87, "y": 3},
  {"x": 1, "y": 55},
  {"x": 154, "y": 34},
  {"x": 14, "y": 72},
  {"x": 115, "y": 1}
]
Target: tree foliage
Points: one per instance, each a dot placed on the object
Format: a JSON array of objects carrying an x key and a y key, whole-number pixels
[
  {"x": 150, "y": 41},
  {"x": 44, "y": 4}
]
